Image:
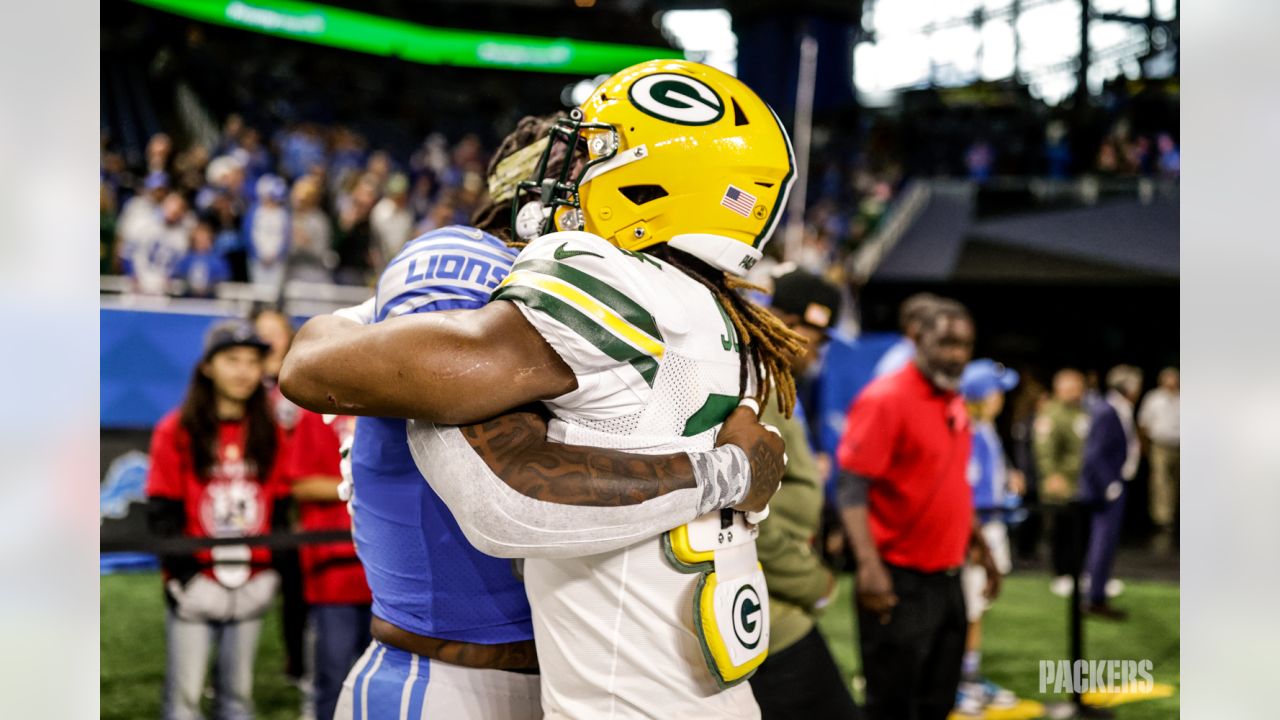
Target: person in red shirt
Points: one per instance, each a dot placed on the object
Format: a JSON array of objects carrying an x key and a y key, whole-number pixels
[
  {"x": 217, "y": 471},
  {"x": 906, "y": 507},
  {"x": 333, "y": 580}
]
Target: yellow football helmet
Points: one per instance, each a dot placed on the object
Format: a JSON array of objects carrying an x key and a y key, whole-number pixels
[{"x": 676, "y": 152}]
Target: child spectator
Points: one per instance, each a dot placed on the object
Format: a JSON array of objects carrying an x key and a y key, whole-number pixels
[
  {"x": 216, "y": 471},
  {"x": 201, "y": 269},
  {"x": 996, "y": 488}
]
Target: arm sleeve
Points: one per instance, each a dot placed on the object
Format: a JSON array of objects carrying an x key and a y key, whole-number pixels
[
  {"x": 867, "y": 446},
  {"x": 852, "y": 490},
  {"x": 500, "y": 521}
]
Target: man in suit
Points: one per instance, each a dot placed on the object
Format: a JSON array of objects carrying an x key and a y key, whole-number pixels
[{"x": 1111, "y": 454}]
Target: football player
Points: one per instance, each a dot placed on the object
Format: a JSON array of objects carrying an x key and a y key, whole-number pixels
[
  {"x": 452, "y": 629},
  {"x": 627, "y": 326}
]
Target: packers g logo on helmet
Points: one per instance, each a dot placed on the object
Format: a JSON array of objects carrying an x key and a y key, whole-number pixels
[
  {"x": 676, "y": 98},
  {"x": 676, "y": 152}
]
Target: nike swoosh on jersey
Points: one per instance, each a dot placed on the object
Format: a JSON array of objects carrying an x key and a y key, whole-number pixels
[{"x": 561, "y": 254}]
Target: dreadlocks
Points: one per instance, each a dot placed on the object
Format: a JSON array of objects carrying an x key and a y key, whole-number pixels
[
  {"x": 768, "y": 344},
  {"x": 514, "y": 161}
]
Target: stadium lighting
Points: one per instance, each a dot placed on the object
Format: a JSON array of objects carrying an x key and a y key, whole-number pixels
[{"x": 362, "y": 32}]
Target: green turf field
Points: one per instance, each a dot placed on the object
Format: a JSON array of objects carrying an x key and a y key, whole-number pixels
[{"x": 1026, "y": 625}]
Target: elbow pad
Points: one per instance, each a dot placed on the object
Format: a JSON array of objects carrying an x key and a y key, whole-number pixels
[{"x": 500, "y": 521}]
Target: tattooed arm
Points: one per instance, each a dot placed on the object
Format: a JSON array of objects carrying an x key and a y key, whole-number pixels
[
  {"x": 514, "y": 494},
  {"x": 516, "y": 449}
]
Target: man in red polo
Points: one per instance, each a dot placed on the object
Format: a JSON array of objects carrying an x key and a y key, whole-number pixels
[{"x": 906, "y": 507}]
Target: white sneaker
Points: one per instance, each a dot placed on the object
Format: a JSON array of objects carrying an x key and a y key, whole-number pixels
[
  {"x": 998, "y": 697},
  {"x": 1061, "y": 586},
  {"x": 970, "y": 700},
  {"x": 1114, "y": 588}
]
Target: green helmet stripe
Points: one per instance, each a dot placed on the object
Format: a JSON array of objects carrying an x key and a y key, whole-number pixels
[{"x": 784, "y": 190}]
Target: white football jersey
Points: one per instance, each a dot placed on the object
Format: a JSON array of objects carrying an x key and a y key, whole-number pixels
[{"x": 658, "y": 370}]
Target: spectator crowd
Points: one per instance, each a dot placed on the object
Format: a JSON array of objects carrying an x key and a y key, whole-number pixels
[
  {"x": 314, "y": 203},
  {"x": 321, "y": 203}
]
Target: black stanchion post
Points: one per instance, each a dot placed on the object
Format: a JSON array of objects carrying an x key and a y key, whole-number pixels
[
  {"x": 1079, "y": 515},
  {"x": 1075, "y": 515}
]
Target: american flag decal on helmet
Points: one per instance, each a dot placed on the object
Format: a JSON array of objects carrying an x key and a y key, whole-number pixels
[{"x": 738, "y": 200}]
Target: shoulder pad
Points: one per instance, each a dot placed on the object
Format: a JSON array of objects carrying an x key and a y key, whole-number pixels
[{"x": 593, "y": 290}]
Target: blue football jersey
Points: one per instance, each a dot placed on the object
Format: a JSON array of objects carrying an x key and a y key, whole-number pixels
[
  {"x": 426, "y": 578},
  {"x": 987, "y": 472}
]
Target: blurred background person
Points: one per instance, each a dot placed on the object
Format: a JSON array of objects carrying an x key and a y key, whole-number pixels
[
  {"x": 159, "y": 153},
  {"x": 1060, "y": 429},
  {"x": 275, "y": 329},
  {"x": 906, "y": 505},
  {"x": 267, "y": 232},
  {"x": 391, "y": 220},
  {"x": 1027, "y": 404},
  {"x": 217, "y": 471},
  {"x": 996, "y": 490},
  {"x": 139, "y": 219},
  {"x": 1110, "y": 462},
  {"x": 153, "y": 259},
  {"x": 910, "y": 314},
  {"x": 799, "y": 679},
  {"x": 311, "y": 256},
  {"x": 107, "y": 258},
  {"x": 1158, "y": 421},
  {"x": 201, "y": 269},
  {"x": 334, "y": 586},
  {"x": 356, "y": 244}
]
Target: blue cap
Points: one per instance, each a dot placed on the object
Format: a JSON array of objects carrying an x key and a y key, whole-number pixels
[
  {"x": 985, "y": 376},
  {"x": 273, "y": 187},
  {"x": 156, "y": 180},
  {"x": 229, "y": 334}
]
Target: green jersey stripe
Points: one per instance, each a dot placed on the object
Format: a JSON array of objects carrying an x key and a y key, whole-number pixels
[
  {"x": 713, "y": 412},
  {"x": 628, "y": 309},
  {"x": 588, "y": 329}
]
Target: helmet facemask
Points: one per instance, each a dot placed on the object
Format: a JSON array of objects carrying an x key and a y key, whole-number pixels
[{"x": 550, "y": 199}]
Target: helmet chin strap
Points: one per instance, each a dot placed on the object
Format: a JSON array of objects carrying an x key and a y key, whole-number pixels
[{"x": 719, "y": 251}]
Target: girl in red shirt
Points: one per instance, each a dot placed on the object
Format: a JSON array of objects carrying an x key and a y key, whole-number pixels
[{"x": 216, "y": 472}]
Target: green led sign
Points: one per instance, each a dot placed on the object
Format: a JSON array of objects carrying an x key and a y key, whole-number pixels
[{"x": 351, "y": 30}]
